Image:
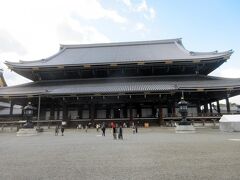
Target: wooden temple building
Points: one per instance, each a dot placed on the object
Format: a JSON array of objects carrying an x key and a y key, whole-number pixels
[{"x": 127, "y": 81}]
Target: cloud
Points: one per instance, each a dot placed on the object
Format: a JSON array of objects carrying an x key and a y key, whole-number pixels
[
  {"x": 93, "y": 10},
  {"x": 142, "y": 7},
  {"x": 152, "y": 13},
  {"x": 32, "y": 30},
  {"x": 127, "y": 3},
  {"x": 141, "y": 27},
  {"x": 9, "y": 44},
  {"x": 227, "y": 72},
  {"x": 72, "y": 32},
  {"x": 35, "y": 23}
]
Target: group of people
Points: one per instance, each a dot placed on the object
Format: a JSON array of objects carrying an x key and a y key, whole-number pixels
[
  {"x": 117, "y": 130},
  {"x": 80, "y": 126},
  {"x": 57, "y": 130}
]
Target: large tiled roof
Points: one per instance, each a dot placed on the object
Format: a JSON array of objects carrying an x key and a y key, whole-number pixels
[
  {"x": 120, "y": 85},
  {"x": 121, "y": 53}
]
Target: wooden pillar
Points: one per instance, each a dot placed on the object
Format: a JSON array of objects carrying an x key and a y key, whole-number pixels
[
  {"x": 95, "y": 111},
  {"x": 218, "y": 107},
  {"x": 210, "y": 105},
  {"x": 169, "y": 108},
  {"x": 22, "y": 112},
  {"x": 205, "y": 108},
  {"x": 139, "y": 110},
  {"x": 198, "y": 108},
  {"x": 52, "y": 110},
  {"x": 65, "y": 112},
  {"x": 39, "y": 110},
  {"x": 130, "y": 113},
  {"x": 11, "y": 109},
  {"x": 58, "y": 113},
  {"x": 91, "y": 112},
  {"x": 173, "y": 108},
  {"x": 79, "y": 112},
  {"x": 228, "y": 105},
  {"x": 154, "y": 111},
  {"x": 160, "y": 114},
  {"x": 125, "y": 112},
  {"x": 108, "y": 112}
]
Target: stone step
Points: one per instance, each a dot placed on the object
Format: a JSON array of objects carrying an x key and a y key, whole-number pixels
[
  {"x": 185, "y": 129},
  {"x": 27, "y": 132}
]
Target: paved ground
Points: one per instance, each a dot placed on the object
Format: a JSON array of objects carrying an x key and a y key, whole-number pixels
[{"x": 154, "y": 153}]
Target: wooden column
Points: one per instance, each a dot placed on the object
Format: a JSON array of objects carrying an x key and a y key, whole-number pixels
[
  {"x": 160, "y": 115},
  {"x": 218, "y": 107},
  {"x": 169, "y": 109},
  {"x": 65, "y": 111},
  {"x": 210, "y": 105},
  {"x": 95, "y": 111},
  {"x": 58, "y": 113},
  {"x": 125, "y": 112},
  {"x": 23, "y": 112},
  {"x": 108, "y": 112},
  {"x": 153, "y": 111},
  {"x": 79, "y": 111},
  {"x": 52, "y": 109},
  {"x": 91, "y": 111},
  {"x": 173, "y": 108},
  {"x": 11, "y": 109},
  {"x": 205, "y": 108},
  {"x": 139, "y": 110},
  {"x": 130, "y": 113},
  {"x": 228, "y": 105},
  {"x": 198, "y": 108},
  {"x": 39, "y": 110}
]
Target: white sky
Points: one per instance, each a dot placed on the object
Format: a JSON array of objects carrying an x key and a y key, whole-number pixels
[{"x": 33, "y": 29}]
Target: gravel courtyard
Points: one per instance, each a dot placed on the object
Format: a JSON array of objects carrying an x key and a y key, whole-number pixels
[{"x": 153, "y": 153}]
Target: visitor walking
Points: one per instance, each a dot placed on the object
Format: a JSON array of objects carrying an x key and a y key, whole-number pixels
[
  {"x": 120, "y": 132},
  {"x": 114, "y": 130},
  {"x": 103, "y": 128},
  {"x": 79, "y": 126},
  {"x": 133, "y": 128},
  {"x": 56, "y": 130},
  {"x": 62, "y": 130},
  {"x": 97, "y": 127},
  {"x": 136, "y": 127}
]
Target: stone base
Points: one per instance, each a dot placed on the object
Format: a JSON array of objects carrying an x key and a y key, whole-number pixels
[
  {"x": 27, "y": 132},
  {"x": 185, "y": 129}
]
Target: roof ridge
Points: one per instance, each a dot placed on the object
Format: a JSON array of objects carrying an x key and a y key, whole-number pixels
[{"x": 128, "y": 43}]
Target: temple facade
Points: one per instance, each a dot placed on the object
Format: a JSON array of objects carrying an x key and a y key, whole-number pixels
[{"x": 128, "y": 81}]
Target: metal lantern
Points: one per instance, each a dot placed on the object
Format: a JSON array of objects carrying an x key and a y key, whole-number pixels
[
  {"x": 28, "y": 112},
  {"x": 183, "y": 110}
]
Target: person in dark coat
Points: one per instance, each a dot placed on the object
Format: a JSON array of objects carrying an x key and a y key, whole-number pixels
[
  {"x": 114, "y": 130},
  {"x": 62, "y": 130},
  {"x": 103, "y": 127},
  {"x": 120, "y": 132},
  {"x": 56, "y": 130},
  {"x": 136, "y": 127}
]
